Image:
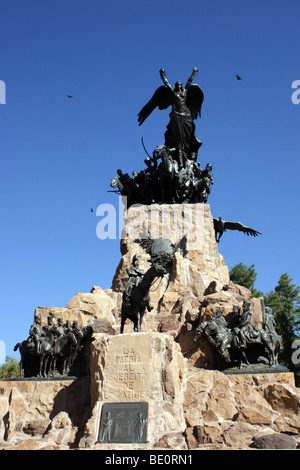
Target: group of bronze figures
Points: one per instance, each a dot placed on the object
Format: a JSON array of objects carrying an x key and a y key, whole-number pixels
[
  {"x": 54, "y": 350},
  {"x": 165, "y": 182},
  {"x": 172, "y": 174},
  {"x": 177, "y": 178},
  {"x": 238, "y": 343}
]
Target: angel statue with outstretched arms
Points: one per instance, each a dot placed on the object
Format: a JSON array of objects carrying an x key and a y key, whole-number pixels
[{"x": 186, "y": 107}]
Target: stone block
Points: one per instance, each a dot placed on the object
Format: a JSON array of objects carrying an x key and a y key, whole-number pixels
[
  {"x": 274, "y": 441},
  {"x": 145, "y": 367}
]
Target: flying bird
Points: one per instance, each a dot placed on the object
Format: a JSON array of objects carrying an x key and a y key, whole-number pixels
[
  {"x": 238, "y": 77},
  {"x": 221, "y": 226},
  {"x": 92, "y": 210},
  {"x": 69, "y": 96}
]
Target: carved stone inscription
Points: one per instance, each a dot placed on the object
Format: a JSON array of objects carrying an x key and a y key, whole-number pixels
[
  {"x": 127, "y": 374},
  {"x": 136, "y": 368},
  {"x": 123, "y": 422}
]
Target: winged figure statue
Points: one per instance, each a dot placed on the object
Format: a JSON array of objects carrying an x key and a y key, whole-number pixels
[
  {"x": 186, "y": 107},
  {"x": 221, "y": 226}
]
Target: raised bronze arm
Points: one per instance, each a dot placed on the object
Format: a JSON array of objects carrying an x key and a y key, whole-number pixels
[
  {"x": 188, "y": 83},
  {"x": 162, "y": 73}
]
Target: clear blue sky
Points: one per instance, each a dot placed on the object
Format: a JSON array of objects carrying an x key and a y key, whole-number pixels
[{"x": 58, "y": 155}]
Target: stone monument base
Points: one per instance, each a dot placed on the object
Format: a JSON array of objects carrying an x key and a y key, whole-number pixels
[
  {"x": 137, "y": 368},
  {"x": 187, "y": 408},
  {"x": 42, "y": 413},
  {"x": 157, "y": 388}
]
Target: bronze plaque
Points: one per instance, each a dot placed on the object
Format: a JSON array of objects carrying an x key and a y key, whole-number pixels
[{"x": 123, "y": 422}]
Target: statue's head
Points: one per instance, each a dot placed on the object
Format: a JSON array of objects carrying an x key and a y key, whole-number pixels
[
  {"x": 236, "y": 309},
  {"x": 135, "y": 260},
  {"x": 178, "y": 86}
]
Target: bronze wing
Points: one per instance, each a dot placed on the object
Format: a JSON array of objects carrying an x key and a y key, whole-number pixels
[
  {"x": 194, "y": 100},
  {"x": 241, "y": 228},
  {"x": 161, "y": 99}
]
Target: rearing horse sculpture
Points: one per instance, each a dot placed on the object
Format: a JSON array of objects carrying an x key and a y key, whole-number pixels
[
  {"x": 136, "y": 295},
  {"x": 135, "y": 307}
]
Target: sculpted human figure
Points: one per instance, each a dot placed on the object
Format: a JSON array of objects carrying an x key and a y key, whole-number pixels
[
  {"x": 135, "y": 276},
  {"x": 35, "y": 334},
  {"x": 219, "y": 319},
  {"x": 107, "y": 428},
  {"x": 186, "y": 105},
  {"x": 244, "y": 330},
  {"x": 140, "y": 425},
  {"x": 269, "y": 326},
  {"x": 58, "y": 329},
  {"x": 49, "y": 325},
  {"x": 269, "y": 321},
  {"x": 181, "y": 128}
]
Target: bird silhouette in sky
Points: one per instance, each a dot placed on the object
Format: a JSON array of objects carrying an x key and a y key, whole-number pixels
[
  {"x": 69, "y": 96},
  {"x": 238, "y": 77},
  {"x": 92, "y": 210},
  {"x": 221, "y": 226}
]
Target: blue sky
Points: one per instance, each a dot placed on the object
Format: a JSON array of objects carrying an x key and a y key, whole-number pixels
[{"x": 58, "y": 155}]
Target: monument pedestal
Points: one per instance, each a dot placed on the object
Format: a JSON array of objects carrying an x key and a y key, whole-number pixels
[
  {"x": 137, "y": 368},
  {"x": 195, "y": 266},
  {"x": 157, "y": 388}
]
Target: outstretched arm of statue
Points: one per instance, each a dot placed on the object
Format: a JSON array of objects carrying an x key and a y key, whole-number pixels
[
  {"x": 163, "y": 76},
  {"x": 188, "y": 83}
]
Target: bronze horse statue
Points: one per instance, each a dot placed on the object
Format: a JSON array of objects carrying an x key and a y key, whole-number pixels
[
  {"x": 229, "y": 347},
  {"x": 135, "y": 307},
  {"x": 50, "y": 348}
]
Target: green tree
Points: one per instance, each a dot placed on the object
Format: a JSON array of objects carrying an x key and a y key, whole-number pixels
[
  {"x": 285, "y": 303},
  {"x": 10, "y": 368},
  {"x": 245, "y": 276}
]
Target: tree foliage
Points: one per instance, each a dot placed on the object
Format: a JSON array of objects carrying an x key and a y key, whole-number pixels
[
  {"x": 10, "y": 368},
  {"x": 245, "y": 276},
  {"x": 285, "y": 303}
]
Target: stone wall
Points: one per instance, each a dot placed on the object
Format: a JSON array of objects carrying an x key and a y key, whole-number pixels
[
  {"x": 43, "y": 413},
  {"x": 228, "y": 411},
  {"x": 195, "y": 409}
]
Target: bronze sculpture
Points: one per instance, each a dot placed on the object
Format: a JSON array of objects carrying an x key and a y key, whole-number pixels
[
  {"x": 172, "y": 174},
  {"x": 186, "y": 107},
  {"x": 52, "y": 350},
  {"x": 135, "y": 305},
  {"x": 238, "y": 343},
  {"x": 221, "y": 226},
  {"x": 135, "y": 299}
]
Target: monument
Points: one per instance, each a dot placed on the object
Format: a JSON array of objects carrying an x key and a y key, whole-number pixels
[{"x": 174, "y": 355}]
